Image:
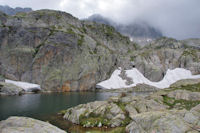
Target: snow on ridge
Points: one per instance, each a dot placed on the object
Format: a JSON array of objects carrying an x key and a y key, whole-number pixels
[
  {"x": 24, "y": 85},
  {"x": 172, "y": 76}
]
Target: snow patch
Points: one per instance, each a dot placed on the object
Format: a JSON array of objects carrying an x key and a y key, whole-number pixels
[
  {"x": 24, "y": 85},
  {"x": 172, "y": 76}
]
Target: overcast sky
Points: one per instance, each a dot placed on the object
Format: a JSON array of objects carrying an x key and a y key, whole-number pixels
[{"x": 175, "y": 18}]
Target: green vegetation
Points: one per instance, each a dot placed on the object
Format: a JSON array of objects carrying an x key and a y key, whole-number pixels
[
  {"x": 112, "y": 130},
  {"x": 126, "y": 121},
  {"x": 1, "y": 77},
  {"x": 70, "y": 31},
  {"x": 63, "y": 112},
  {"x": 109, "y": 31},
  {"x": 60, "y": 27},
  {"x": 37, "y": 49},
  {"x": 92, "y": 52},
  {"x": 191, "y": 52},
  {"x": 180, "y": 104},
  {"x": 81, "y": 40},
  {"x": 193, "y": 88},
  {"x": 90, "y": 27},
  {"x": 121, "y": 106},
  {"x": 145, "y": 53},
  {"x": 58, "y": 16},
  {"x": 93, "y": 120},
  {"x": 132, "y": 58},
  {"x": 20, "y": 15}
]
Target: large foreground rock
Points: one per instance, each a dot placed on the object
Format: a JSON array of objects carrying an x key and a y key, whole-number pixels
[
  {"x": 162, "y": 122},
  {"x": 27, "y": 125},
  {"x": 116, "y": 111},
  {"x": 97, "y": 113},
  {"x": 166, "y": 121}
]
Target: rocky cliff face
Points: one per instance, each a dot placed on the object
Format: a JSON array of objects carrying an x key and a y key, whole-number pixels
[
  {"x": 167, "y": 53},
  {"x": 62, "y": 53},
  {"x": 58, "y": 51}
]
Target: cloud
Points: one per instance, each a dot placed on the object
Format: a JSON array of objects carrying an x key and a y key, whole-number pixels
[{"x": 175, "y": 18}]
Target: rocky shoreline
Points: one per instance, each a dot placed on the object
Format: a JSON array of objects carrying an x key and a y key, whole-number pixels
[{"x": 175, "y": 109}]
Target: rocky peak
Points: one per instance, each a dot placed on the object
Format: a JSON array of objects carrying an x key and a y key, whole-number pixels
[{"x": 12, "y": 11}]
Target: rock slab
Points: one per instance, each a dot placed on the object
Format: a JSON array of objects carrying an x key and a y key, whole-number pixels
[{"x": 27, "y": 125}]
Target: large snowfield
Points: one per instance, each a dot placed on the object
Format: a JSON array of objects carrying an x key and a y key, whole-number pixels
[
  {"x": 116, "y": 82},
  {"x": 24, "y": 85}
]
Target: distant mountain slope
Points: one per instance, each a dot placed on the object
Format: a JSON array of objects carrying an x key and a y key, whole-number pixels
[
  {"x": 140, "y": 32},
  {"x": 12, "y": 11}
]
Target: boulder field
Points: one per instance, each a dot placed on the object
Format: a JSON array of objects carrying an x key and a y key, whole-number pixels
[{"x": 175, "y": 109}]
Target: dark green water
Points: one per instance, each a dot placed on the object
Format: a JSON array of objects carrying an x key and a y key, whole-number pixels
[{"x": 39, "y": 105}]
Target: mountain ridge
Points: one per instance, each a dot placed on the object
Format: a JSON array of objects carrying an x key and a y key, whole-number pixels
[
  {"x": 62, "y": 53},
  {"x": 12, "y": 11},
  {"x": 138, "y": 31}
]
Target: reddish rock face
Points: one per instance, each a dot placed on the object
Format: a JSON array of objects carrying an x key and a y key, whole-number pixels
[{"x": 66, "y": 87}]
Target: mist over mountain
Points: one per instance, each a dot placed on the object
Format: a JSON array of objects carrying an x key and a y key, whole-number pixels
[
  {"x": 138, "y": 31},
  {"x": 12, "y": 11}
]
